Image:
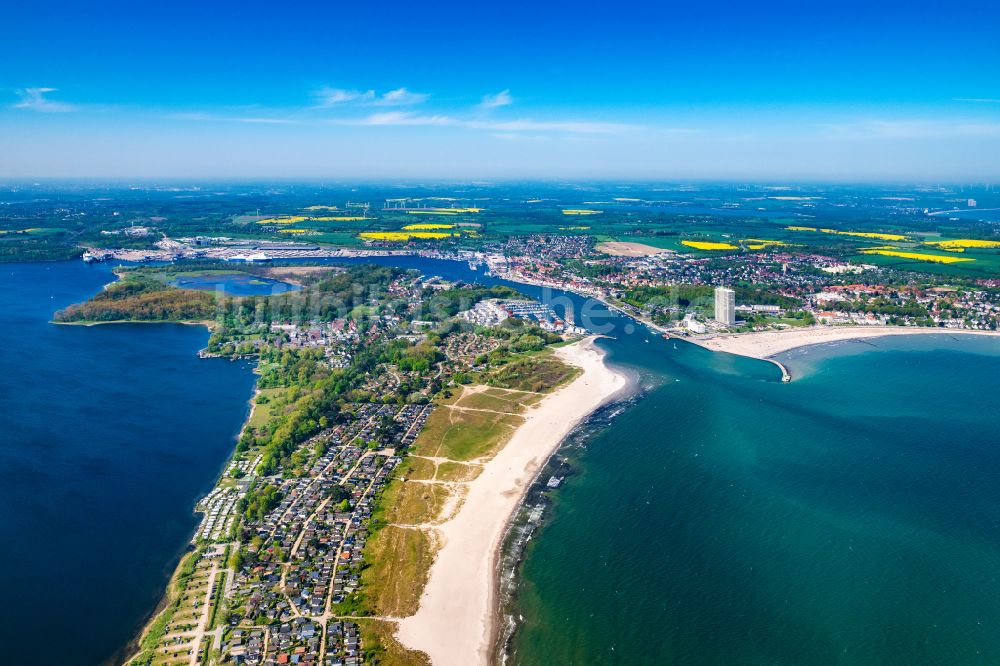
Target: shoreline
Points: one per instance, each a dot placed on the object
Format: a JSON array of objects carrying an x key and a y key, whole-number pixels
[
  {"x": 457, "y": 621},
  {"x": 765, "y": 345},
  {"x": 133, "y": 648},
  {"x": 207, "y": 323}
]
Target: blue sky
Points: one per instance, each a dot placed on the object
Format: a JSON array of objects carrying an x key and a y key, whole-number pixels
[{"x": 767, "y": 90}]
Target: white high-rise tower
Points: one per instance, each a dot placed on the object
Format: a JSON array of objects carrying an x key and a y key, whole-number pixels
[{"x": 725, "y": 306}]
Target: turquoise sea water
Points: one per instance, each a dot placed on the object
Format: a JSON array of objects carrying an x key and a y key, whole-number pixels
[{"x": 849, "y": 517}]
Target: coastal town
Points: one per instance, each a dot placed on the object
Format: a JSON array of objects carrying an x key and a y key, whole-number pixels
[{"x": 789, "y": 289}]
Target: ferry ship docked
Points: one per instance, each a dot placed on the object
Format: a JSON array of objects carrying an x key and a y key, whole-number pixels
[
  {"x": 257, "y": 258},
  {"x": 93, "y": 257}
]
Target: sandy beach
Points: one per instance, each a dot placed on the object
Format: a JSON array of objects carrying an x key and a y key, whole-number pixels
[
  {"x": 455, "y": 622},
  {"x": 767, "y": 344}
]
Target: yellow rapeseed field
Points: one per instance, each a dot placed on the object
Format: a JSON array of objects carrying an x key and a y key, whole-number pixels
[
  {"x": 962, "y": 243},
  {"x": 321, "y": 208},
  {"x": 858, "y": 234},
  {"x": 574, "y": 228},
  {"x": 403, "y": 236},
  {"x": 934, "y": 258},
  {"x": 430, "y": 234},
  {"x": 761, "y": 243},
  {"x": 284, "y": 219},
  {"x": 338, "y": 218},
  {"x": 425, "y": 227},
  {"x": 704, "y": 245},
  {"x": 866, "y": 234}
]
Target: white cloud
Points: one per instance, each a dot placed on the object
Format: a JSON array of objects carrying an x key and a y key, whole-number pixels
[
  {"x": 400, "y": 97},
  {"x": 499, "y": 99},
  {"x": 254, "y": 120},
  {"x": 327, "y": 97},
  {"x": 264, "y": 121},
  {"x": 514, "y": 136},
  {"x": 908, "y": 129},
  {"x": 35, "y": 99},
  {"x": 407, "y": 118},
  {"x": 567, "y": 126},
  {"x": 400, "y": 118}
]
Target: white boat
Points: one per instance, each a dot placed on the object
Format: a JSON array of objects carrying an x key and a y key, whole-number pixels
[{"x": 249, "y": 258}]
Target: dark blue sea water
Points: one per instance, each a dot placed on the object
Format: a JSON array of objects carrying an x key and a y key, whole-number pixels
[{"x": 108, "y": 436}]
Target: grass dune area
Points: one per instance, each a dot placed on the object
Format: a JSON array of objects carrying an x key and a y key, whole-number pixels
[
  {"x": 401, "y": 558},
  {"x": 389, "y": 652},
  {"x": 458, "y": 433}
]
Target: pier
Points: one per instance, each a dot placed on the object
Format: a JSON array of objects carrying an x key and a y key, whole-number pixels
[{"x": 785, "y": 375}]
